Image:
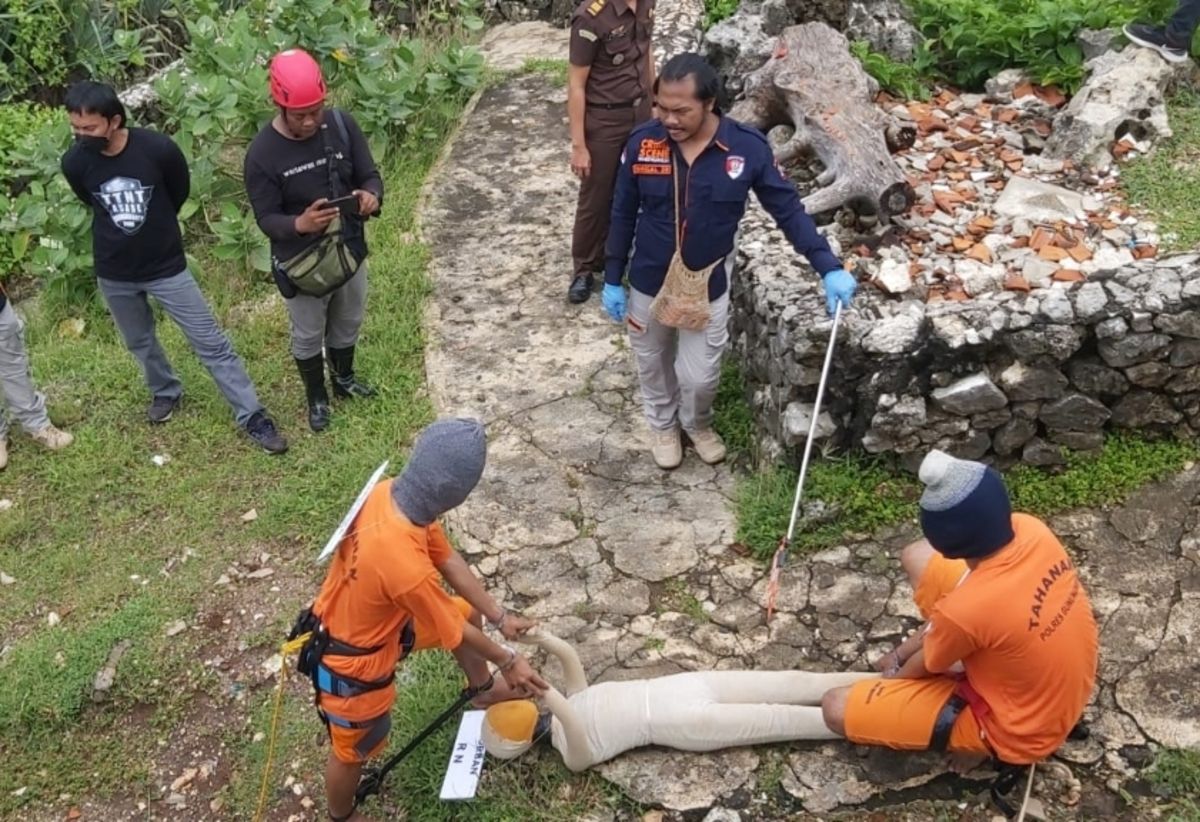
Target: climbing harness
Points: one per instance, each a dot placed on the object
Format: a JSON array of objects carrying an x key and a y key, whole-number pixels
[
  {"x": 785, "y": 544},
  {"x": 310, "y": 640}
]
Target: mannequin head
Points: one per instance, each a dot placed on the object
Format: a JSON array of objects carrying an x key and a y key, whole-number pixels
[{"x": 511, "y": 728}]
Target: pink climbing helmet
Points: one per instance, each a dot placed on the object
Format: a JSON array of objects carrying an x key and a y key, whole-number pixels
[{"x": 296, "y": 80}]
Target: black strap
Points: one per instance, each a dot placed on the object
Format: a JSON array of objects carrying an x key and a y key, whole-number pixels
[
  {"x": 372, "y": 780},
  {"x": 615, "y": 106},
  {"x": 408, "y": 639},
  {"x": 1007, "y": 778},
  {"x": 344, "y": 133},
  {"x": 939, "y": 739},
  {"x": 330, "y": 161}
]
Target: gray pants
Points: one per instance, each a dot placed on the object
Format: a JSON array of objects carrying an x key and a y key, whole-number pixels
[
  {"x": 678, "y": 370},
  {"x": 331, "y": 321},
  {"x": 24, "y": 401},
  {"x": 181, "y": 299}
]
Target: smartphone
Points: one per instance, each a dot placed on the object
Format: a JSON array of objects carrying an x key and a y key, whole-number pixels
[{"x": 348, "y": 205}]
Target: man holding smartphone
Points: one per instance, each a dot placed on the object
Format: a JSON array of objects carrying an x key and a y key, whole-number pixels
[{"x": 289, "y": 183}]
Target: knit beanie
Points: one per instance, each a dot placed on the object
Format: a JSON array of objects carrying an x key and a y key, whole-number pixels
[
  {"x": 508, "y": 728},
  {"x": 445, "y": 465},
  {"x": 965, "y": 510}
]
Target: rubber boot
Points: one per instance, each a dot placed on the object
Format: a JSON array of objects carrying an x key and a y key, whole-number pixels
[
  {"x": 341, "y": 370},
  {"x": 312, "y": 372}
]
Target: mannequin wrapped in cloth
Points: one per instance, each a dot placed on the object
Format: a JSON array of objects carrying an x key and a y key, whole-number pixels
[{"x": 695, "y": 711}]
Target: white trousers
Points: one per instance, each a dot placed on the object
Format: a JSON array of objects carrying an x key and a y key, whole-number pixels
[{"x": 678, "y": 370}]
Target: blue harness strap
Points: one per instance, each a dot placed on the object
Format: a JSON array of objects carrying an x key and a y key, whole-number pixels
[{"x": 335, "y": 684}]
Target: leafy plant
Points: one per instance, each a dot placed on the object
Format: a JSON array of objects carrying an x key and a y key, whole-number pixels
[
  {"x": 909, "y": 81},
  {"x": 717, "y": 10},
  {"x": 973, "y": 40},
  {"x": 215, "y": 102},
  {"x": 45, "y": 43}
]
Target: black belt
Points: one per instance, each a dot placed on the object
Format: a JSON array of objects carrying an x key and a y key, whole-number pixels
[
  {"x": 613, "y": 106},
  {"x": 944, "y": 724}
]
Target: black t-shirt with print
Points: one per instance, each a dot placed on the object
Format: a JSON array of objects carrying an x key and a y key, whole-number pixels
[{"x": 135, "y": 197}]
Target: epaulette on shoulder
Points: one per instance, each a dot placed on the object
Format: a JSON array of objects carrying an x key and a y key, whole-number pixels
[{"x": 595, "y": 6}]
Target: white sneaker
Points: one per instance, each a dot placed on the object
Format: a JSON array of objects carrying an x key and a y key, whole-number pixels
[
  {"x": 666, "y": 448},
  {"x": 708, "y": 444},
  {"x": 53, "y": 438},
  {"x": 3, "y": 452}
]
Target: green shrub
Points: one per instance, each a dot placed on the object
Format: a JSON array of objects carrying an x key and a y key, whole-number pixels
[
  {"x": 973, "y": 40},
  {"x": 17, "y": 122},
  {"x": 45, "y": 43},
  {"x": 214, "y": 104},
  {"x": 908, "y": 81}
]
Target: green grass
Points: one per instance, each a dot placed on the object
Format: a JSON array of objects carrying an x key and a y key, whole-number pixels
[
  {"x": 678, "y": 597},
  {"x": 556, "y": 70},
  {"x": 98, "y": 532},
  {"x": 1167, "y": 183},
  {"x": 1176, "y": 772},
  {"x": 537, "y": 786},
  {"x": 1175, "y": 775},
  {"x": 734, "y": 418},
  {"x": 869, "y": 494}
]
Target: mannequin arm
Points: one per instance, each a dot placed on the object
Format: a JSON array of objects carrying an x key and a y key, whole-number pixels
[
  {"x": 576, "y": 753},
  {"x": 576, "y": 679}
]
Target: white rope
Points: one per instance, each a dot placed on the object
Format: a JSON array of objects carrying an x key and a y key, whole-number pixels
[{"x": 1028, "y": 791}]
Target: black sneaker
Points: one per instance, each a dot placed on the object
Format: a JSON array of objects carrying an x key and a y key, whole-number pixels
[
  {"x": 161, "y": 408},
  {"x": 581, "y": 288},
  {"x": 262, "y": 430},
  {"x": 1155, "y": 37}
]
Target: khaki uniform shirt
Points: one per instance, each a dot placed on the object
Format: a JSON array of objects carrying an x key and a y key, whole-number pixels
[{"x": 615, "y": 42}]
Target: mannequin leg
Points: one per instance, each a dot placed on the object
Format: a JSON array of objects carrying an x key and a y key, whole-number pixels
[
  {"x": 730, "y": 726},
  {"x": 777, "y": 687}
]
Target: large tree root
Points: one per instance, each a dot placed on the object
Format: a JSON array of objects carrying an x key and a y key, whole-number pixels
[{"x": 813, "y": 84}]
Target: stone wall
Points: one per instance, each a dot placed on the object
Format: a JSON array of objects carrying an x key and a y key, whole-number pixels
[{"x": 1007, "y": 375}]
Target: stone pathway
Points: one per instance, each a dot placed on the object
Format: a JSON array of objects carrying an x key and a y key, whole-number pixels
[{"x": 574, "y": 525}]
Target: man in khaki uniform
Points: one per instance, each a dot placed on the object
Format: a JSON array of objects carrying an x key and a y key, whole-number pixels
[{"x": 608, "y": 93}]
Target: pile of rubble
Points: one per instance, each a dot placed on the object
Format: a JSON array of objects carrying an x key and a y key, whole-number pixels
[
  {"x": 993, "y": 215},
  {"x": 1021, "y": 307}
]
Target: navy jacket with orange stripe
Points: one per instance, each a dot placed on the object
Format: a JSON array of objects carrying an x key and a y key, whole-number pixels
[{"x": 713, "y": 193}]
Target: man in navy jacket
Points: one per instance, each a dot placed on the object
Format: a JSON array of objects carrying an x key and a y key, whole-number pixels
[{"x": 710, "y": 163}]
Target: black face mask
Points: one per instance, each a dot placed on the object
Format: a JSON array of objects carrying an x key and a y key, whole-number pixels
[{"x": 91, "y": 143}]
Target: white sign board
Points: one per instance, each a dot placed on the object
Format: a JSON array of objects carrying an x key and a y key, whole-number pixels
[
  {"x": 466, "y": 760},
  {"x": 344, "y": 526}
]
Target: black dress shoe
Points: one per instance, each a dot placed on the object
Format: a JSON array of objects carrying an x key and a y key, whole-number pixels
[{"x": 581, "y": 288}]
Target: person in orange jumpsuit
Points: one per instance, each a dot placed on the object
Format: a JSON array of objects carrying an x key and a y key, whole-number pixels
[
  {"x": 1006, "y": 661},
  {"x": 384, "y": 598}
]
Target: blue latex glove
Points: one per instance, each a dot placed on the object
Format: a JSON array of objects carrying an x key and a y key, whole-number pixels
[
  {"x": 613, "y": 298},
  {"x": 840, "y": 286}
]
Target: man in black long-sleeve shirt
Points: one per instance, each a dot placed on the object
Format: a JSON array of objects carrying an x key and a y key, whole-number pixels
[
  {"x": 135, "y": 181},
  {"x": 289, "y": 181}
]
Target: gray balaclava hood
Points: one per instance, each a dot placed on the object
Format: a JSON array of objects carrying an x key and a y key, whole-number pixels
[{"x": 445, "y": 465}]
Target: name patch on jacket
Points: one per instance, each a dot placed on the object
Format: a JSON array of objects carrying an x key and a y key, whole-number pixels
[
  {"x": 652, "y": 169},
  {"x": 654, "y": 151}
]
